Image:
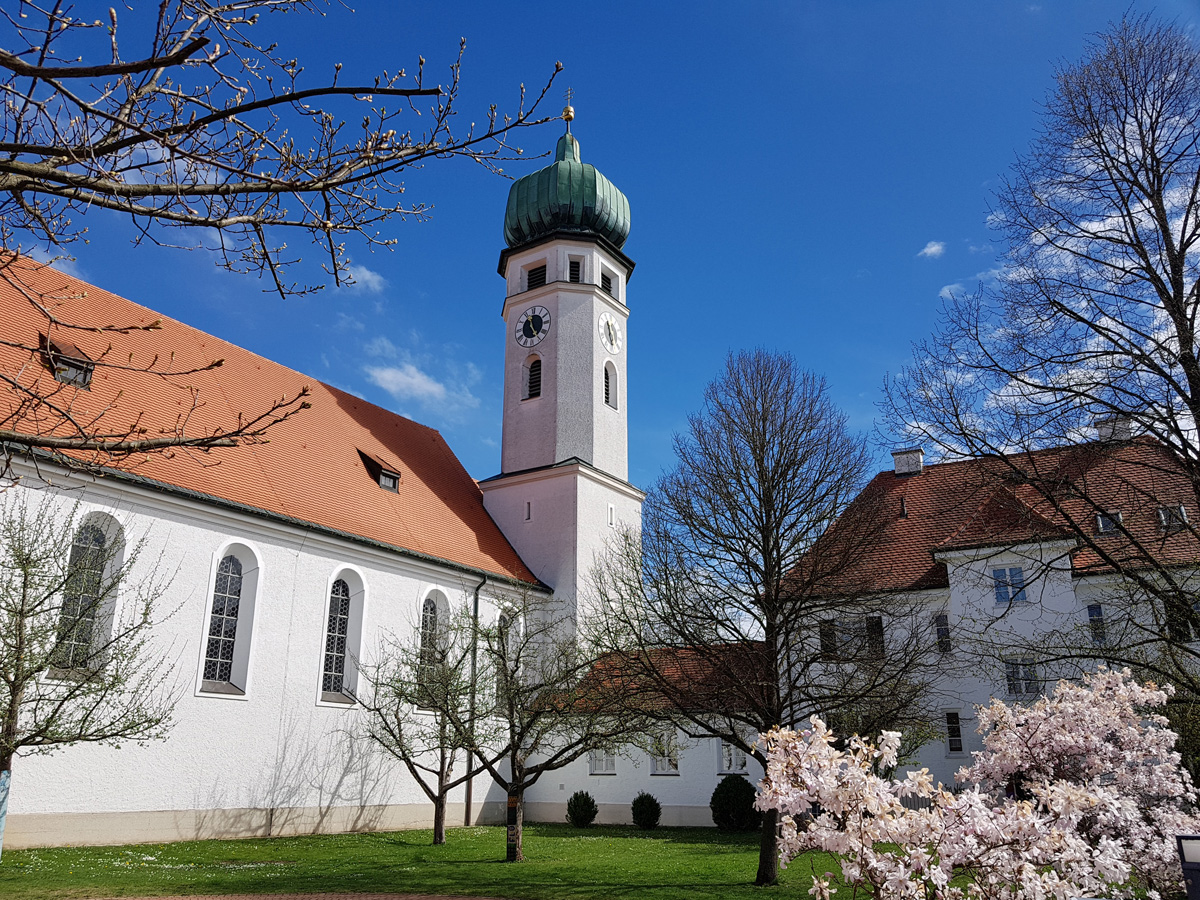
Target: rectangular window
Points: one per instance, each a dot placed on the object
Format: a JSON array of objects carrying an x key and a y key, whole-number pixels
[
  {"x": 1096, "y": 624},
  {"x": 874, "y": 643},
  {"x": 606, "y": 284},
  {"x": 1021, "y": 675},
  {"x": 663, "y": 760},
  {"x": 1172, "y": 518},
  {"x": 612, "y": 516},
  {"x": 573, "y": 270},
  {"x": 389, "y": 481},
  {"x": 1107, "y": 522},
  {"x": 733, "y": 759},
  {"x": 536, "y": 278},
  {"x": 1009, "y": 585},
  {"x": 528, "y": 510},
  {"x": 829, "y": 639},
  {"x": 954, "y": 742},
  {"x": 602, "y": 762},
  {"x": 941, "y": 625}
]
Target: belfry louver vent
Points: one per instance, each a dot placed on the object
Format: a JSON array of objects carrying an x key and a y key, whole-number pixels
[
  {"x": 573, "y": 273},
  {"x": 606, "y": 284},
  {"x": 537, "y": 278}
]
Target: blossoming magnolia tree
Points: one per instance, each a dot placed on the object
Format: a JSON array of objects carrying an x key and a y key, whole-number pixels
[{"x": 1079, "y": 794}]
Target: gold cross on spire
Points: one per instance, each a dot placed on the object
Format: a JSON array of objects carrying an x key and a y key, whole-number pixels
[{"x": 568, "y": 112}]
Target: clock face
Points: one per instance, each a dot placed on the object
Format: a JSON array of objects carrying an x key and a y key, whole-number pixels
[
  {"x": 610, "y": 332},
  {"x": 533, "y": 325}
]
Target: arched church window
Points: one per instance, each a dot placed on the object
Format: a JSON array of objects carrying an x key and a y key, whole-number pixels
[
  {"x": 610, "y": 384},
  {"x": 333, "y": 672},
  {"x": 81, "y": 598},
  {"x": 430, "y": 656},
  {"x": 533, "y": 382},
  {"x": 222, "y": 624}
]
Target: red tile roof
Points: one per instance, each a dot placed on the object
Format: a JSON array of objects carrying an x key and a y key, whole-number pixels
[
  {"x": 990, "y": 503},
  {"x": 309, "y": 469}
]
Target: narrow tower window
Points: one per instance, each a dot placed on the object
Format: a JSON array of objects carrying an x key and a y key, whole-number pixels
[
  {"x": 536, "y": 278},
  {"x": 606, "y": 284},
  {"x": 533, "y": 387},
  {"x": 610, "y": 385},
  {"x": 573, "y": 271}
]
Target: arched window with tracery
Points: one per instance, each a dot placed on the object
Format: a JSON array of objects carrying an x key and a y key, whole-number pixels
[
  {"x": 333, "y": 674},
  {"x": 223, "y": 622},
  {"x": 83, "y": 593}
]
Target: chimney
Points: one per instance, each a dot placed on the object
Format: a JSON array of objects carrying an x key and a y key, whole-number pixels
[
  {"x": 909, "y": 460},
  {"x": 1114, "y": 427}
]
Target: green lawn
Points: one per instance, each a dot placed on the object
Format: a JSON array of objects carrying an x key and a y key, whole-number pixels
[{"x": 563, "y": 862}]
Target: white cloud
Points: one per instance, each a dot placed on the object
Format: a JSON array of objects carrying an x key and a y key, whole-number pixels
[
  {"x": 933, "y": 250},
  {"x": 948, "y": 292},
  {"x": 366, "y": 281},
  {"x": 381, "y": 346},
  {"x": 348, "y": 323},
  {"x": 407, "y": 382}
]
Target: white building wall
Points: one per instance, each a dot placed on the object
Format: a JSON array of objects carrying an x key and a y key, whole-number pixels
[{"x": 276, "y": 760}]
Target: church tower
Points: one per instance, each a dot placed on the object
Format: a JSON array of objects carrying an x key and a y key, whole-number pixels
[{"x": 563, "y": 487}]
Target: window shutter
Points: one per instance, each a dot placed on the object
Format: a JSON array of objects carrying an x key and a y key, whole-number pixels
[
  {"x": 606, "y": 284},
  {"x": 573, "y": 271},
  {"x": 535, "y": 379},
  {"x": 537, "y": 278}
]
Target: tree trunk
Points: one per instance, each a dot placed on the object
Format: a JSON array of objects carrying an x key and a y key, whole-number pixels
[
  {"x": 439, "y": 820},
  {"x": 516, "y": 822},
  {"x": 768, "y": 849},
  {"x": 5, "y": 782}
]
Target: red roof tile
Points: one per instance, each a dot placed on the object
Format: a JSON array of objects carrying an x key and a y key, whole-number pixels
[
  {"x": 309, "y": 468},
  {"x": 990, "y": 503}
]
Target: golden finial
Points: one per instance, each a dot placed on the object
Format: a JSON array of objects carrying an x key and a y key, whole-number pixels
[{"x": 568, "y": 112}]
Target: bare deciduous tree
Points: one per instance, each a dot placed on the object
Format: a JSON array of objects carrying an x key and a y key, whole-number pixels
[
  {"x": 739, "y": 606},
  {"x": 422, "y": 698},
  {"x": 75, "y": 662},
  {"x": 194, "y": 124},
  {"x": 542, "y": 701},
  {"x": 1091, "y": 327},
  {"x": 207, "y": 124}
]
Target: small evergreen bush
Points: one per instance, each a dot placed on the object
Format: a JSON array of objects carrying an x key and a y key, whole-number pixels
[
  {"x": 732, "y": 805},
  {"x": 646, "y": 811},
  {"x": 581, "y": 809}
]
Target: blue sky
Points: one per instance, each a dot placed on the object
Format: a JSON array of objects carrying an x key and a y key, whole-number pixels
[{"x": 802, "y": 176}]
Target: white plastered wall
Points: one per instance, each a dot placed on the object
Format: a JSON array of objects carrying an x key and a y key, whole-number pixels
[{"x": 277, "y": 760}]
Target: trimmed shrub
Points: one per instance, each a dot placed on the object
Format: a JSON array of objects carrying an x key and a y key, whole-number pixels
[
  {"x": 646, "y": 811},
  {"x": 732, "y": 805},
  {"x": 581, "y": 809}
]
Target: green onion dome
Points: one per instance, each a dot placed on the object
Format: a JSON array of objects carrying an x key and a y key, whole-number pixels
[{"x": 566, "y": 196}]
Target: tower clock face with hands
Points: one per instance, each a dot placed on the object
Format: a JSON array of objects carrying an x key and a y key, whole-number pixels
[
  {"x": 532, "y": 326},
  {"x": 610, "y": 332}
]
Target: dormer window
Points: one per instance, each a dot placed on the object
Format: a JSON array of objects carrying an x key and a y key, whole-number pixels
[
  {"x": 1108, "y": 522},
  {"x": 385, "y": 474},
  {"x": 69, "y": 364},
  {"x": 1172, "y": 518},
  {"x": 535, "y": 278},
  {"x": 606, "y": 284}
]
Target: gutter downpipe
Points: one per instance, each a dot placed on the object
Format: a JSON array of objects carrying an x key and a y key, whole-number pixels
[{"x": 471, "y": 700}]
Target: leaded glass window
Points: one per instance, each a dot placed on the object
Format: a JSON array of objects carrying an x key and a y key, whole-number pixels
[
  {"x": 222, "y": 625},
  {"x": 334, "y": 671},
  {"x": 81, "y": 598}
]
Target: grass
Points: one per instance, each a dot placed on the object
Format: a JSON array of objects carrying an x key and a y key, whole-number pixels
[{"x": 562, "y": 863}]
